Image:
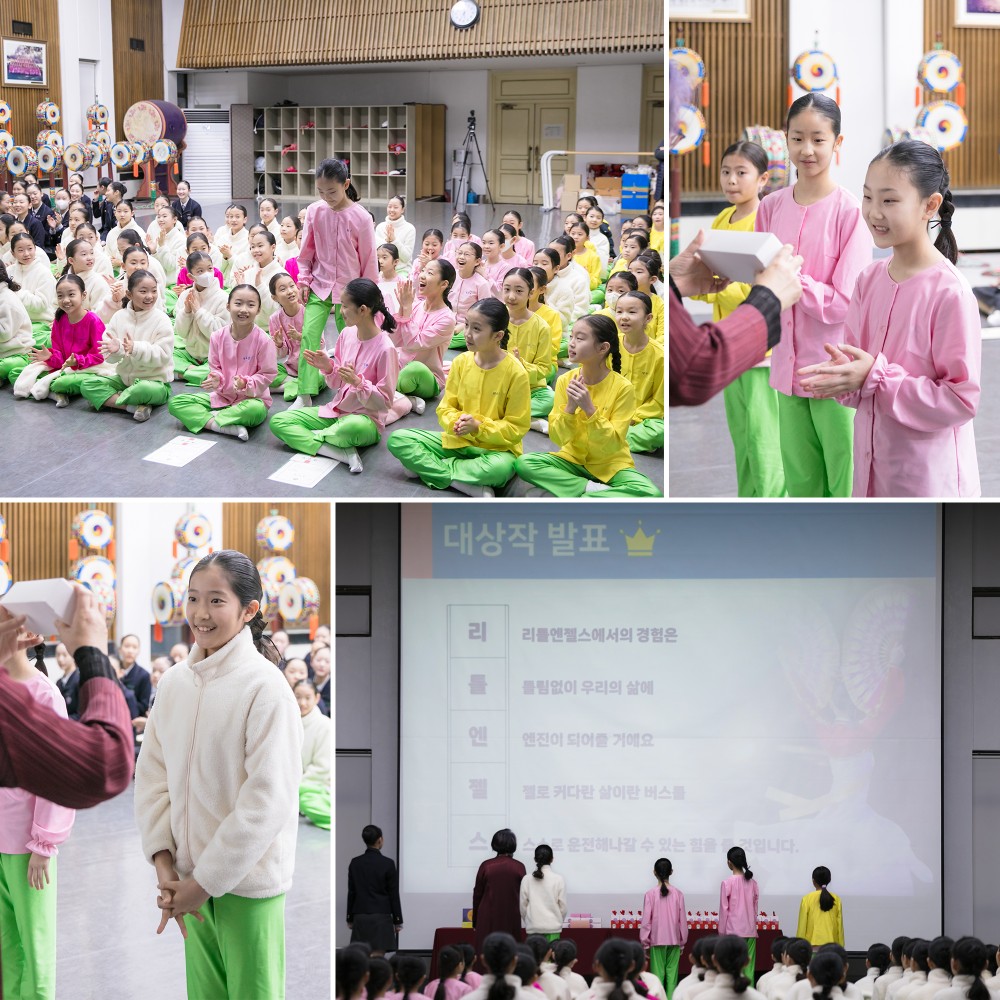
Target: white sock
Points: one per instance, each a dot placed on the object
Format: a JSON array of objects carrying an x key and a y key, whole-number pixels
[
  {"x": 596, "y": 487},
  {"x": 349, "y": 456},
  {"x": 61, "y": 399},
  {"x": 300, "y": 401},
  {"x": 471, "y": 489},
  {"x": 233, "y": 430},
  {"x": 539, "y": 424},
  {"x": 418, "y": 404}
]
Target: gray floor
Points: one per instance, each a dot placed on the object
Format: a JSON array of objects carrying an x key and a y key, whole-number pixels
[
  {"x": 107, "y": 943},
  {"x": 81, "y": 452},
  {"x": 701, "y": 451}
]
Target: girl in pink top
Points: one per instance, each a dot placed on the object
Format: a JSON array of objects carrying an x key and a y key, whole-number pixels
[
  {"x": 494, "y": 266},
  {"x": 338, "y": 245},
  {"x": 31, "y": 830},
  {"x": 422, "y": 333},
  {"x": 459, "y": 234},
  {"x": 470, "y": 286},
  {"x": 242, "y": 364},
  {"x": 431, "y": 247},
  {"x": 738, "y": 901},
  {"x": 823, "y": 223},
  {"x": 196, "y": 243},
  {"x": 663, "y": 929},
  {"x": 285, "y": 327},
  {"x": 522, "y": 245},
  {"x": 362, "y": 375},
  {"x": 448, "y": 985},
  {"x": 911, "y": 357}
]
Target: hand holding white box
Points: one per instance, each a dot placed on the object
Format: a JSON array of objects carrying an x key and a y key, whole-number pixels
[
  {"x": 42, "y": 602},
  {"x": 738, "y": 256}
]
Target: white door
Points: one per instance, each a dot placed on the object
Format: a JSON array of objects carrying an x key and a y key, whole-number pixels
[{"x": 206, "y": 159}]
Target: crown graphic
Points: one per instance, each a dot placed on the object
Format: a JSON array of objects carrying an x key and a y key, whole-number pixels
[{"x": 640, "y": 544}]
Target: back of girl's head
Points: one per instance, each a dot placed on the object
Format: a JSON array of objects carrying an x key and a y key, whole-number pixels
[
  {"x": 498, "y": 951},
  {"x": 738, "y": 857},
  {"x": 819, "y": 103},
  {"x": 925, "y": 168},
  {"x": 971, "y": 956},
  {"x": 364, "y": 292},
  {"x": 131, "y": 237},
  {"x": 504, "y": 841},
  {"x": 468, "y": 956},
  {"x": 939, "y": 952},
  {"x": 615, "y": 957},
  {"x": 838, "y": 949},
  {"x": 878, "y": 956},
  {"x": 379, "y": 976},
  {"x": 7, "y": 221},
  {"x": 390, "y": 248},
  {"x": 539, "y": 945},
  {"x": 653, "y": 262},
  {"x": 991, "y": 958},
  {"x": 798, "y": 950},
  {"x": 563, "y": 952},
  {"x": 566, "y": 242},
  {"x": 778, "y": 948},
  {"x": 707, "y": 954},
  {"x": 449, "y": 959},
  {"x": 827, "y": 968},
  {"x": 919, "y": 953},
  {"x": 605, "y": 331},
  {"x": 663, "y": 869},
  {"x": 638, "y": 965},
  {"x": 525, "y": 968},
  {"x": 731, "y": 956},
  {"x": 409, "y": 971},
  {"x": 244, "y": 581},
  {"x": 436, "y": 233},
  {"x": 196, "y": 258},
  {"x": 898, "y": 946},
  {"x": 477, "y": 250},
  {"x": 351, "y": 970},
  {"x": 553, "y": 255},
  {"x": 821, "y": 876},
  {"x": 543, "y": 853}
]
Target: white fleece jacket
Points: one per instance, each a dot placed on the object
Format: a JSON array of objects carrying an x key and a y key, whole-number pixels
[
  {"x": 267, "y": 304},
  {"x": 317, "y": 732},
  {"x": 171, "y": 248},
  {"x": 15, "y": 326},
  {"x": 152, "y": 354},
  {"x": 38, "y": 289},
  {"x": 217, "y": 779},
  {"x": 543, "y": 902},
  {"x": 196, "y": 328}
]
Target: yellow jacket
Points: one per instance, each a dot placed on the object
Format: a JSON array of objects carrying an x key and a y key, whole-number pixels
[
  {"x": 533, "y": 340},
  {"x": 588, "y": 259},
  {"x": 818, "y": 926},
  {"x": 499, "y": 398},
  {"x": 655, "y": 330},
  {"x": 656, "y": 240},
  {"x": 645, "y": 371},
  {"x": 598, "y": 442},
  {"x": 555, "y": 325},
  {"x": 733, "y": 295}
]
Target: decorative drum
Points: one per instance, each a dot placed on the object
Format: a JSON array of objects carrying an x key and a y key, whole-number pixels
[
  {"x": 814, "y": 70},
  {"x": 99, "y": 153},
  {"x": 691, "y": 130},
  {"x": 164, "y": 152},
  {"x": 3, "y": 528},
  {"x": 4, "y": 112},
  {"x": 168, "y": 602},
  {"x": 147, "y": 121},
  {"x": 779, "y": 165},
  {"x": 106, "y": 600},
  {"x": 94, "y": 569},
  {"x": 269, "y": 602},
  {"x": 275, "y": 533},
  {"x": 21, "y": 159},
  {"x": 940, "y": 71},
  {"x": 140, "y": 151},
  {"x": 47, "y": 112},
  {"x": 50, "y": 137},
  {"x": 101, "y": 135},
  {"x": 297, "y": 600},
  {"x": 193, "y": 531},
  {"x": 98, "y": 113},
  {"x": 946, "y": 122},
  {"x": 6, "y": 144},
  {"x": 277, "y": 569},
  {"x": 49, "y": 159},
  {"x": 5, "y": 578},
  {"x": 93, "y": 529},
  {"x": 77, "y": 156},
  {"x": 182, "y": 570},
  {"x": 122, "y": 154},
  {"x": 690, "y": 64}
]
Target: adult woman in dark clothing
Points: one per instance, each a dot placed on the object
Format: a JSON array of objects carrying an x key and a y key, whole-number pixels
[{"x": 496, "y": 897}]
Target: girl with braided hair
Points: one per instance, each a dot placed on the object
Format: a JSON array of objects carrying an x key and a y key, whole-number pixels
[
  {"x": 216, "y": 788},
  {"x": 911, "y": 357}
]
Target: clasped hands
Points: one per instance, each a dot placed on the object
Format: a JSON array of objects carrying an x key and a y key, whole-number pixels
[{"x": 178, "y": 898}]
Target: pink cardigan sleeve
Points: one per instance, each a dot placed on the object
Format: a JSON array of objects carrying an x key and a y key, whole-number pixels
[
  {"x": 377, "y": 396},
  {"x": 426, "y": 330},
  {"x": 51, "y": 824},
  {"x": 366, "y": 249},
  {"x": 267, "y": 368},
  {"x": 307, "y": 254},
  {"x": 724, "y": 906}
]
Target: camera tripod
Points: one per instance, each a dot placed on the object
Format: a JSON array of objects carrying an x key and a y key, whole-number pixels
[{"x": 465, "y": 175}]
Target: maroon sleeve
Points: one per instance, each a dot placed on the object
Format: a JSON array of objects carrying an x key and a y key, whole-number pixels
[
  {"x": 706, "y": 358},
  {"x": 74, "y": 764}
]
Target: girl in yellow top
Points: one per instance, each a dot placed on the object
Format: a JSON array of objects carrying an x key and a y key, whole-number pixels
[
  {"x": 821, "y": 920},
  {"x": 618, "y": 285},
  {"x": 751, "y": 403},
  {"x": 586, "y": 255},
  {"x": 537, "y": 305},
  {"x": 530, "y": 342},
  {"x": 647, "y": 268},
  {"x": 656, "y": 233},
  {"x": 642, "y": 365},
  {"x": 632, "y": 245},
  {"x": 589, "y": 421},
  {"x": 484, "y": 412}
]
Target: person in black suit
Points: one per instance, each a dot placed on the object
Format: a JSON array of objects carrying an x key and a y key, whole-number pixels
[
  {"x": 51, "y": 222},
  {"x": 374, "y": 913},
  {"x": 24, "y": 215},
  {"x": 184, "y": 205},
  {"x": 116, "y": 192}
]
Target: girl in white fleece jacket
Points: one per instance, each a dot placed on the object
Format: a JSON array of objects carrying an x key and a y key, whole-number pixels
[
  {"x": 216, "y": 789},
  {"x": 16, "y": 339},
  {"x": 543, "y": 897},
  {"x": 38, "y": 288},
  {"x": 317, "y": 729},
  {"x": 202, "y": 308}
]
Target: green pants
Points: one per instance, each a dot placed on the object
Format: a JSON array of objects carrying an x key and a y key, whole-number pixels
[
  {"x": 42, "y": 334},
  {"x": 314, "y": 804},
  {"x": 817, "y": 446},
  {"x": 647, "y": 435},
  {"x": 196, "y": 374},
  {"x": 184, "y": 361},
  {"x": 12, "y": 366},
  {"x": 306, "y": 431},
  {"x": 317, "y": 312},
  {"x": 458, "y": 341},
  {"x": 565, "y": 479},
  {"x": 194, "y": 410},
  {"x": 416, "y": 379},
  {"x": 170, "y": 302},
  {"x": 238, "y": 953},
  {"x": 27, "y": 931},
  {"x": 597, "y": 296},
  {"x": 541, "y": 401},
  {"x": 421, "y": 452},
  {"x": 751, "y": 966},
  {"x": 70, "y": 383},
  {"x": 752, "y": 415},
  {"x": 664, "y": 960},
  {"x": 98, "y": 389}
]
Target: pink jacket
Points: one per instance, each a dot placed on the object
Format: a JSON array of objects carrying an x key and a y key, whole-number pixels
[
  {"x": 336, "y": 247},
  {"x": 664, "y": 918},
  {"x": 423, "y": 337},
  {"x": 253, "y": 358},
  {"x": 453, "y": 989},
  {"x": 835, "y": 243},
  {"x": 738, "y": 908},
  {"x": 913, "y": 434},
  {"x": 28, "y": 824},
  {"x": 495, "y": 272},
  {"x": 82, "y": 339},
  {"x": 468, "y": 291},
  {"x": 280, "y": 321},
  {"x": 376, "y": 362}
]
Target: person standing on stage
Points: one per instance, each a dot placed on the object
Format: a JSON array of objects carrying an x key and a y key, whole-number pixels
[{"x": 374, "y": 913}]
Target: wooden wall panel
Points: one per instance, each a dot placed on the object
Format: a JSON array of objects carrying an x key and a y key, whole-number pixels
[
  {"x": 244, "y": 33},
  {"x": 43, "y": 15},
  {"x": 974, "y": 164},
  {"x": 138, "y": 75},
  {"x": 746, "y": 65},
  {"x": 39, "y": 536},
  {"x": 310, "y": 551}
]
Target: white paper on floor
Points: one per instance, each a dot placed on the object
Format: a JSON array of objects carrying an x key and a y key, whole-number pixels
[
  {"x": 304, "y": 470},
  {"x": 179, "y": 451}
]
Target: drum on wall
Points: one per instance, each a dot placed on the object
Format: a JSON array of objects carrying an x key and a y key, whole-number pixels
[
  {"x": 946, "y": 122},
  {"x": 49, "y": 160},
  {"x": 814, "y": 70},
  {"x": 49, "y": 137},
  {"x": 164, "y": 152},
  {"x": 193, "y": 531},
  {"x": 182, "y": 570},
  {"x": 779, "y": 164},
  {"x": 47, "y": 112},
  {"x": 297, "y": 600},
  {"x": 940, "y": 71},
  {"x": 4, "y": 112},
  {"x": 269, "y": 601},
  {"x": 3, "y": 528},
  {"x": 6, "y": 144},
  {"x": 122, "y": 154},
  {"x": 140, "y": 151},
  {"x": 277, "y": 569},
  {"x": 691, "y": 130},
  {"x": 921, "y": 134},
  {"x": 98, "y": 114},
  {"x": 5, "y": 578},
  {"x": 93, "y": 529},
  {"x": 275, "y": 533},
  {"x": 691, "y": 65},
  {"x": 20, "y": 160},
  {"x": 99, "y": 153},
  {"x": 94, "y": 569},
  {"x": 101, "y": 135},
  {"x": 148, "y": 121},
  {"x": 77, "y": 156},
  {"x": 168, "y": 602},
  {"x": 106, "y": 600}
]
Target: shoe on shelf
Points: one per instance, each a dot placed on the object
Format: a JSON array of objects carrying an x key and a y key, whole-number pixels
[
  {"x": 308, "y": 125},
  {"x": 385, "y": 124},
  {"x": 397, "y": 147},
  {"x": 395, "y": 173},
  {"x": 291, "y": 148},
  {"x": 291, "y": 170}
]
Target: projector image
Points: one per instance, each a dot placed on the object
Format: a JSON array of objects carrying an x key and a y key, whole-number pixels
[{"x": 738, "y": 256}]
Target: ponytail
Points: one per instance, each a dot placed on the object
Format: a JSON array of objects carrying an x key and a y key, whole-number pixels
[
  {"x": 39, "y": 652},
  {"x": 498, "y": 950},
  {"x": 615, "y": 957},
  {"x": 827, "y": 969},
  {"x": 6, "y": 278},
  {"x": 449, "y": 959},
  {"x": 799, "y": 950},
  {"x": 543, "y": 856},
  {"x": 364, "y": 292},
  {"x": 410, "y": 970},
  {"x": 971, "y": 955},
  {"x": 563, "y": 953},
  {"x": 638, "y": 964},
  {"x": 663, "y": 869},
  {"x": 731, "y": 956},
  {"x": 946, "y": 242},
  {"x": 336, "y": 170},
  {"x": 605, "y": 331},
  {"x": 262, "y": 643},
  {"x": 738, "y": 857},
  {"x": 821, "y": 876}
]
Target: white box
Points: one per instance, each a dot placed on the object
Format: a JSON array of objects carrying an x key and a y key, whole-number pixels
[
  {"x": 43, "y": 602},
  {"x": 738, "y": 256}
]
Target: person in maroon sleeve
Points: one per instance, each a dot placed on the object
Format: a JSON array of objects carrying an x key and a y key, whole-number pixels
[
  {"x": 496, "y": 899},
  {"x": 73, "y": 763}
]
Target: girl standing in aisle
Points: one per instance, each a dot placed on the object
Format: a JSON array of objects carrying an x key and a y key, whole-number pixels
[
  {"x": 911, "y": 354},
  {"x": 338, "y": 245},
  {"x": 225, "y": 729},
  {"x": 823, "y": 223},
  {"x": 821, "y": 919},
  {"x": 31, "y": 830},
  {"x": 663, "y": 930},
  {"x": 543, "y": 898},
  {"x": 738, "y": 899},
  {"x": 396, "y": 229}
]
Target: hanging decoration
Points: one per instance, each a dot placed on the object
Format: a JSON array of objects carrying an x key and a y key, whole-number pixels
[
  {"x": 943, "y": 121},
  {"x": 775, "y": 144},
  {"x": 692, "y": 129},
  {"x": 192, "y": 532},
  {"x": 288, "y": 597},
  {"x": 814, "y": 71},
  {"x": 91, "y": 556}
]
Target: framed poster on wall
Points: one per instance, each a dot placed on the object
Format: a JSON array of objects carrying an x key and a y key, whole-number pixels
[
  {"x": 709, "y": 10},
  {"x": 975, "y": 13},
  {"x": 24, "y": 63}
]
